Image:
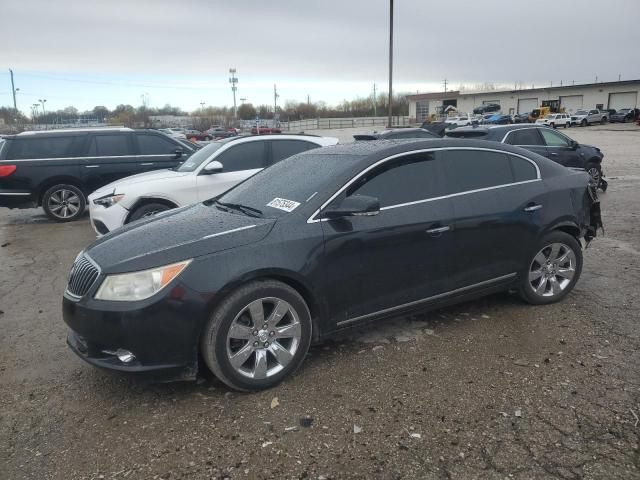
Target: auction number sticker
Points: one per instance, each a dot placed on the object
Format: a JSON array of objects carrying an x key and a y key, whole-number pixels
[{"x": 283, "y": 204}]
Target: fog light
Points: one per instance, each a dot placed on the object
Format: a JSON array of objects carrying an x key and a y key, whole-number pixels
[{"x": 125, "y": 356}]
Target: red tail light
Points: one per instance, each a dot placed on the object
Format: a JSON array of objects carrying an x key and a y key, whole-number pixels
[{"x": 6, "y": 170}]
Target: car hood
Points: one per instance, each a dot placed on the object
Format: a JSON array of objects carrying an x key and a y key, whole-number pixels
[
  {"x": 175, "y": 235},
  {"x": 139, "y": 178}
]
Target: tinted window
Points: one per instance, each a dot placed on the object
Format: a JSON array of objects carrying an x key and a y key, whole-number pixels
[
  {"x": 415, "y": 177},
  {"x": 473, "y": 169},
  {"x": 110, "y": 146},
  {"x": 243, "y": 156},
  {"x": 281, "y": 149},
  {"x": 528, "y": 136},
  {"x": 554, "y": 139},
  {"x": 41, "y": 147},
  {"x": 155, "y": 145},
  {"x": 522, "y": 169}
]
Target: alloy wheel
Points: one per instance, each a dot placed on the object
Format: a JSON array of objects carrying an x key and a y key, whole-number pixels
[
  {"x": 263, "y": 338},
  {"x": 595, "y": 174},
  {"x": 64, "y": 203},
  {"x": 552, "y": 270}
]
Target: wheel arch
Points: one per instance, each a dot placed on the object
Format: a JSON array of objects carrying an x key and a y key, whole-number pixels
[
  {"x": 566, "y": 226},
  {"x": 146, "y": 200}
]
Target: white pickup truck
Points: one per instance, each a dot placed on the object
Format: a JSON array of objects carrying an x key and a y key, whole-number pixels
[{"x": 587, "y": 117}]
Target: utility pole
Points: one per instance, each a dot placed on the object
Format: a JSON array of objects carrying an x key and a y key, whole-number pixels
[
  {"x": 619, "y": 76},
  {"x": 308, "y": 99},
  {"x": 13, "y": 90},
  {"x": 375, "y": 106},
  {"x": 390, "y": 62},
  {"x": 201, "y": 105},
  {"x": 445, "y": 85},
  {"x": 275, "y": 103},
  {"x": 233, "y": 81}
]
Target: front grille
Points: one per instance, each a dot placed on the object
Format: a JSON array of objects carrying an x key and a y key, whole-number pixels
[{"x": 83, "y": 274}]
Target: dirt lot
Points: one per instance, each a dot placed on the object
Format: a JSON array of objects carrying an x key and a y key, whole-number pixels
[{"x": 492, "y": 389}]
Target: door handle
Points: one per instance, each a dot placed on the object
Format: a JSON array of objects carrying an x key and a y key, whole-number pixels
[
  {"x": 92, "y": 166},
  {"x": 438, "y": 230},
  {"x": 146, "y": 164},
  {"x": 553, "y": 154},
  {"x": 532, "y": 208}
]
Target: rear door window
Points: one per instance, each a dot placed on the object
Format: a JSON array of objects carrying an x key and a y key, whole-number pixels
[
  {"x": 526, "y": 136},
  {"x": 522, "y": 169},
  {"x": 467, "y": 170},
  {"x": 407, "y": 179},
  {"x": 43, "y": 147},
  {"x": 554, "y": 139},
  {"x": 149, "y": 144},
  {"x": 281, "y": 149},
  {"x": 117, "y": 145},
  {"x": 244, "y": 156}
]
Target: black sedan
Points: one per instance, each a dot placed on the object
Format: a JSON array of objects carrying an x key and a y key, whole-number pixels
[
  {"x": 624, "y": 115},
  {"x": 320, "y": 242},
  {"x": 397, "y": 134},
  {"x": 544, "y": 141}
]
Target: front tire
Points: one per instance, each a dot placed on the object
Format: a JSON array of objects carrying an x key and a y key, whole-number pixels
[
  {"x": 64, "y": 203},
  {"x": 595, "y": 171},
  {"x": 147, "y": 210},
  {"x": 257, "y": 336},
  {"x": 583, "y": 123},
  {"x": 553, "y": 269}
]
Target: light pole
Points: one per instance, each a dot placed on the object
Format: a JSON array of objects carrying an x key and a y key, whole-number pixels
[
  {"x": 233, "y": 81},
  {"x": 390, "y": 61},
  {"x": 42, "y": 101},
  {"x": 35, "y": 109},
  {"x": 13, "y": 90}
]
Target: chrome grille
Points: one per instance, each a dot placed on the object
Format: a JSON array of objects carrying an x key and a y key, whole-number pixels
[{"x": 82, "y": 276}]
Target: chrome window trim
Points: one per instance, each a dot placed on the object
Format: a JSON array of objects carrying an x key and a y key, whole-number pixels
[
  {"x": 538, "y": 178},
  {"x": 425, "y": 300},
  {"x": 15, "y": 193},
  {"x": 87, "y": 158}
]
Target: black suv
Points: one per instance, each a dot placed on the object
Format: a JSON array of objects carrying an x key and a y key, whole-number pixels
[
  {"x": 59, "y": 169},
  {"x": 544, "y": 141}
]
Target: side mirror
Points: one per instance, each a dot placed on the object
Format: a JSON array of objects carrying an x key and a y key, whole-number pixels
[
  {"x": 574, "y": 145},
  {"x": 178, "y": 152},
  {"x": 212, "y": 167},
  {"x": 354, "y": 206}
]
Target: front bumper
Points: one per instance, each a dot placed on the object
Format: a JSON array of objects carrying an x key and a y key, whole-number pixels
[
  {"x": 162, "y": 333},
  {"x": 105, "y": 220}
]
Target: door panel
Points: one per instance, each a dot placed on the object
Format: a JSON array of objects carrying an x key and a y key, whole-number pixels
[
  {"x": 156, "y": 151},
  {"x": 559, "y": 149},
  {"x": 110, "y": 157},
  {"x": 212, "y": 185}
]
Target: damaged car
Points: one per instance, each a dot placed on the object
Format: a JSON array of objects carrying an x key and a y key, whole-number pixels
[{"x": 320, "y": 242}]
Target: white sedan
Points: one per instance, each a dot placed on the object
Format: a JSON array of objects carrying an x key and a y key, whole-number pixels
[
  {"x": 555, "y": 120},
  {"x": 209, "y": 172}
]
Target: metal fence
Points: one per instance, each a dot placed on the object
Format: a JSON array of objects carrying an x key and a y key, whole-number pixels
[{"x": 330, "y": 123}]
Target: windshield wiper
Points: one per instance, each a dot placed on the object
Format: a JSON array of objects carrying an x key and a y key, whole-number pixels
[{"x": 250, "y": 211}]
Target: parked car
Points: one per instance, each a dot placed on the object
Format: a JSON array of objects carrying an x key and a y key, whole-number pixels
[
  {"x": 543, "y": 141},
  {"x": 521, "y": 118},
  {"x": 220, "y": 132},
  {"x": 174, "y": 132},
  {"x": 555, "y": 120},
  {"x": 320, "y": 242},
  {"x": 209, "y": 172},
  {"x": 57, "y": 169},
  {"x": 197, "y": 135},
  {"x": 460, "y": 121},
  {"x": 265, "y": 130},
  {"x": 488, "y": 108},
  {"x": 588, "y": 117},
  {"x": 498, "y": 119},
  {"x": 624, "y": 115},
  {"x": 397, "y": 133}
]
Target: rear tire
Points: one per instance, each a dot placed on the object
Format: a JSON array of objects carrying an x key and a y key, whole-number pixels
[
  {"x": 552, "y": 269},
  {"x": 583, "y": 123},
  {"x": 257, "y": 336},
  {"x": 64, "y": 203},
  {"x": 147, "y": 210}
]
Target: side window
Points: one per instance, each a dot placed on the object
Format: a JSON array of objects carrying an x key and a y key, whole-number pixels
[
  {"x": 411, "y": 178},
  {"x": 554, "y": 139},
  {"x": 43, "y": 147},
  {"x": 474, "y": 169},
  {"x": 281, "y": 149},
  {"x": 527, "y": 136},
  {"x": 110, "y": 146},
  {"x": 243, "y": 156},
  {"x": 149, "y": 144},
  {"x": 522, "y": 169}
]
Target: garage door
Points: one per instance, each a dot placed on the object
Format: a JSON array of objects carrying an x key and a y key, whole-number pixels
[
  {"x": 571, "y": 103},
  {"x": 525, "y": 105},
  {"x": 623, "y": 100}
]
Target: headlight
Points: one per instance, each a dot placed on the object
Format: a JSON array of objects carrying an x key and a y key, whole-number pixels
[
  {"x": 128, "y": 287},
  {"x": 109, "y": 200}
]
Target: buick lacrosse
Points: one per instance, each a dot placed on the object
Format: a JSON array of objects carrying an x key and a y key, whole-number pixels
[{"x": 322, "y": 241}]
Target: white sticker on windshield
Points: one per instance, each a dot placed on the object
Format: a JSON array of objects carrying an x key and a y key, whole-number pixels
[{"x": 283, "y": 204}]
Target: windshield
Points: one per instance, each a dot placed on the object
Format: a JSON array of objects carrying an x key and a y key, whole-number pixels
[
  {"x": 550, "y": 116},
  {"x": 624, "y": 110},
  {"x": 289, "y": 184},
  {"x": 582, "y": 112},
  {"x": 195, "y": 160}
]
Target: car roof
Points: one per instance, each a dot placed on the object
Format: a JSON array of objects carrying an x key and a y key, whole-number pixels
[{"x": 278, "y": 136}]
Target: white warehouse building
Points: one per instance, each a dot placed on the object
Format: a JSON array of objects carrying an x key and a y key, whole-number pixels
[{"x": 604, "y": 95}]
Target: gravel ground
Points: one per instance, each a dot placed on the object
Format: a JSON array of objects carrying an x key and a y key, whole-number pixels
[{"x": 492, "y": 389}]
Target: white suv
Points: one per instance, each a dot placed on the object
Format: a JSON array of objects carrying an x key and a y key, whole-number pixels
[
  {"x": 555, "y": 120},
  {"x": 209, "y": 172}
]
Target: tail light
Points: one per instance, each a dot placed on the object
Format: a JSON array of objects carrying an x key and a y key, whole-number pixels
[{"x": 6, "y": 170}]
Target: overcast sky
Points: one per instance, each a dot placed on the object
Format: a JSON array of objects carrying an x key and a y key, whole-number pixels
[{"x": 89, "y": 52}]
